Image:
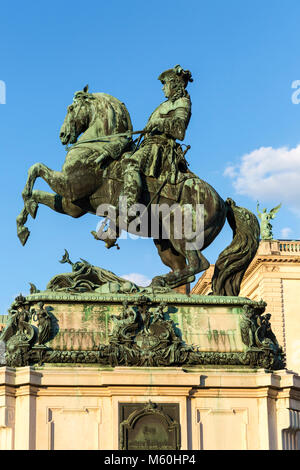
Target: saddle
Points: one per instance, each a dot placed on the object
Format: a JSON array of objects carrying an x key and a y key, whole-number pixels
[{"x": 165, "y": 186}]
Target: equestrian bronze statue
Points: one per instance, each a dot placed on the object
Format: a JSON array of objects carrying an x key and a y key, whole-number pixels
[{"x": 104, "y": 166}]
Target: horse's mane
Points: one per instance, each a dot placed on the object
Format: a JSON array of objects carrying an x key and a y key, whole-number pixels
[{"x": 116, "y": 109}]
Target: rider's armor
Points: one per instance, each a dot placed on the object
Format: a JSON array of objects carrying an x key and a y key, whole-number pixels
[{"x": 159, "y": 155}]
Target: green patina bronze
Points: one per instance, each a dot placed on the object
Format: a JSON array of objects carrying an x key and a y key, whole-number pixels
[
  {"x": 266, "y": 232},
  {"x": 103, "y": 163},
  {"x": 139, "y": 330},
  {"x": 92, "y": 316},
  {"x": 149, "y": 426}
]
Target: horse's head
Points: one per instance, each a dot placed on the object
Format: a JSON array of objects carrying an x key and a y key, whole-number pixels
[{"x": 78, "y": 117}]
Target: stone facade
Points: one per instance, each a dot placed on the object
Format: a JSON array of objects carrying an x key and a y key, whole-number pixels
[
  {"x": 221, "y": 405},
  {"x": 274, "y": 276},
  {"x": 46, "y": 408}
]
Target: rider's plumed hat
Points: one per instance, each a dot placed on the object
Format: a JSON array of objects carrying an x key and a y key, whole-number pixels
[{"x": 176, "y": 72}]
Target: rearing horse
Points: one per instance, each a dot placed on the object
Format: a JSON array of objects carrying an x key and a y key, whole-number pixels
[{"x": 82, "y": 185}]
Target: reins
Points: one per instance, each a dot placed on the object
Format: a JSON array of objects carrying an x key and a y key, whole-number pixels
[{"x": 106, "y": 138}]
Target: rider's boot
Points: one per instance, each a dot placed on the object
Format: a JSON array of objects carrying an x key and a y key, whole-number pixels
[{"x": 131, "y": 193}]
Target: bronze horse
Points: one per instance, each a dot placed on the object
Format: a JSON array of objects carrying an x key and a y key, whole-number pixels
[{"x": 82, "y": 185}]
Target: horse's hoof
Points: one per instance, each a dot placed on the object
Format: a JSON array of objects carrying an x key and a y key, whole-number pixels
[
  {"x": 110, "y": 242},
  {"x": 31, "y": 207},
  {"x": 95, "y": 235},
  {"x": 158, "y": 281},
  {"x": 23, "y": 235}
]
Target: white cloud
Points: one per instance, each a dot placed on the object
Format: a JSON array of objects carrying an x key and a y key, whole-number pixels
[
  {"x": 268, "y": 174},
  {"x": 137, "y": 278},
  {"x": 286, "y": 232},
  {"x": 295, "y": 211}
]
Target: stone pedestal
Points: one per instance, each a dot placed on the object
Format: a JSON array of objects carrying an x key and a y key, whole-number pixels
[
  {"x": 156, "y": 330},
  {"x": 79, "y": 407},
  {"x": 83, "y": 322},
  {"x": 157, "y": 372}
]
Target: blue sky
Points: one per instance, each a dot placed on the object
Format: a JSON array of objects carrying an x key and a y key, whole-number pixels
[{"x": 244, "y": 132}]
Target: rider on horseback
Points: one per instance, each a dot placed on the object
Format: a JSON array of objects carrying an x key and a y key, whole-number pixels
[
  {"x": 159, "y": 155},
  {"x": 96, "y": 123}
]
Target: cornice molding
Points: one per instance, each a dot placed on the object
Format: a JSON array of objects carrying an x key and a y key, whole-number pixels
[
  {"x": 278, "y": 257},
  {"x": 261, "y": 259}
]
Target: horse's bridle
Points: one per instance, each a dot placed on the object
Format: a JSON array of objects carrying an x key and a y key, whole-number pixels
[{"x": 74, "y": 119}]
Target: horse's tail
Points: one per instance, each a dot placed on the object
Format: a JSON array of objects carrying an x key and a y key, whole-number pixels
[{"x": 232, "y": 263}]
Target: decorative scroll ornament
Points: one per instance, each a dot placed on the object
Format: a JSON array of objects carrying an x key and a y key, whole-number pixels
[
  {"x": 18, "y": 334},
  {"x": 20, "y": 337},
  {"x": 142, "y": 336},
  {"x": 257, "y": 334}
]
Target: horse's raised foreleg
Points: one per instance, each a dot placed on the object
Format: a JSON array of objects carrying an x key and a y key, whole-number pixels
[
  {"x": 22, "y": 231},
  {"x": 58, "y": 182},
  {"x": 55, "y": 179},
  {"x": 57, "y": 203},
  {"x": 30, "y": 205},
  {"x": 69, "y": 182},
  {"x": 54, "y": 202}
]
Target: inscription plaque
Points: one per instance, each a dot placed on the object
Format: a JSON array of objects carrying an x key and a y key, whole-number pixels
[{"x": 149, "y": 426}]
